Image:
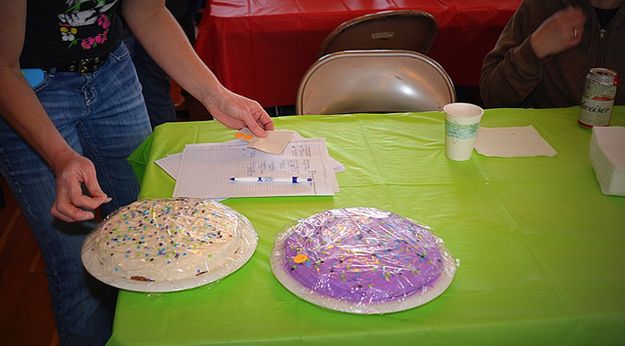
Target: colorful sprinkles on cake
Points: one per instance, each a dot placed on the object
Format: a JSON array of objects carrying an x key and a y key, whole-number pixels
[
  {"x": 155, "y": 240},
  {"x": 362, "y": 255}
]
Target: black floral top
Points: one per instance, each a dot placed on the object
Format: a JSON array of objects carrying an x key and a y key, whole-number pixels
[{"x": 61, "y": 31}]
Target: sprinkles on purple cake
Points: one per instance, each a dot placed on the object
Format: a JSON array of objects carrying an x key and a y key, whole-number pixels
[{"x": 362, "y": 255}]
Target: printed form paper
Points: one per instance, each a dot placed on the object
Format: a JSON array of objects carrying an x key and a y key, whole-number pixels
[
  {"x": 170, "y": 164},
  {"x": 205, "y": 170}
]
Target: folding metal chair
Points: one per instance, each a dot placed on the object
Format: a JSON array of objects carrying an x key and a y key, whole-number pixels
[
  {"x": 398, "y": 29},
  {"x": 374, "y": 81}
]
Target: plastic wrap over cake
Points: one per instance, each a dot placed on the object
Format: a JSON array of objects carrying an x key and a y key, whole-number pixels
[
  {"x": 162, "y": 245},
  {"x": 362, "y": 260}
]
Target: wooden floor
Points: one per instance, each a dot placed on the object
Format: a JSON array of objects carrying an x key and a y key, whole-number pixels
[{"x": 25, "y": 312}]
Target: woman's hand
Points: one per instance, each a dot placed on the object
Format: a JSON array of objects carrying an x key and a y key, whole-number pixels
[
  {"x": 74, "y": 171},
  {"x": 236, "y": 111},
  {"x": 560, "y": 32}
]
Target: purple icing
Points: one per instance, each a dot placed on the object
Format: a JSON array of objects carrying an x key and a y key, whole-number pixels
[{"x": 362, "y": 255}]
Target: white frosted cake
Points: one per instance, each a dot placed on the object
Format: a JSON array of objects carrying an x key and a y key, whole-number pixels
[{"x": 168, "y": 244}]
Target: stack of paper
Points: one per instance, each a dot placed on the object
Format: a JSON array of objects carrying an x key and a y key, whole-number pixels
[
  {"x": 608, "y": 158},
  {"x": 205, "y": 170}
]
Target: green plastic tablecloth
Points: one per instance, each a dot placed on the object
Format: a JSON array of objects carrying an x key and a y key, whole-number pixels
[{"x": 541, "y": 249}]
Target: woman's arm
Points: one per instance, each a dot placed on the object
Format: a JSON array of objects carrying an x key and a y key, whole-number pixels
[
  {"x": 164, "y": 40},
  {"x": 21, "y": 108}
]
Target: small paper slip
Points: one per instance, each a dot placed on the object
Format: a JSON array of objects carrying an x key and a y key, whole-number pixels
[
  {"x": 512, "y": 142},
  {"x": 274, "y": 143}
]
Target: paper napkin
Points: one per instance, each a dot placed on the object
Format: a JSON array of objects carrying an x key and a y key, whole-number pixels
[
  {"x": 607, "y": 155},
  {"x": 512, "y": 142}
]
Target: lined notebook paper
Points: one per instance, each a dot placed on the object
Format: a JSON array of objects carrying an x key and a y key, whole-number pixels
[{"x": 205, "y": 169}]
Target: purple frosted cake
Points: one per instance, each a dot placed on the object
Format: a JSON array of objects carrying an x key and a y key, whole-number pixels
[{"x": 361, "y": 256}]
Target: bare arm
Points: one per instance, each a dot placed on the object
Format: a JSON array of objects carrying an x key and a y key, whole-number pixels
[
  {"x": 164, "y": 40},
  {"x": 21, "y": 108}
]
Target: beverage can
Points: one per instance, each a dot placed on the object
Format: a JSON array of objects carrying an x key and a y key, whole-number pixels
[{"x": 598, "y": 97}]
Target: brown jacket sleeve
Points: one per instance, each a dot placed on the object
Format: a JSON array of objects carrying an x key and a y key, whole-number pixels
[
  {"x": 511, "y": 71},
  {"x": 513, "y": 76}
]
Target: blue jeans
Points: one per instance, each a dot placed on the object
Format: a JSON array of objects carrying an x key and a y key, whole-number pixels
[{"x": 103, "y": 116}]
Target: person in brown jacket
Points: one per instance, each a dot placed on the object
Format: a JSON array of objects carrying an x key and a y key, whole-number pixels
[{"x": 545, "y": 51}]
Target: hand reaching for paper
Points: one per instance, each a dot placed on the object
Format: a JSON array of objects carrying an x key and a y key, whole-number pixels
[
  {"x": 74, "y": 171},
  {"x": 560, "y": 32},
  {"x": 236, "y": 112}
]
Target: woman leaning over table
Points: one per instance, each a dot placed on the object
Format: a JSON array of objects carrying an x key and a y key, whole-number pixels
[
  {"x": 85, "y": 117},
  {"x": 545, "y": 51}
]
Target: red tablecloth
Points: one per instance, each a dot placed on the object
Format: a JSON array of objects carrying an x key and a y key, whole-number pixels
[{"x": 262, "y": 48}]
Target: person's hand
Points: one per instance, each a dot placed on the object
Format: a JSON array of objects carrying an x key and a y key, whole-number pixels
[
  {"x": 74, "y": 171},
  {"x": 559, "y": 33},
  {"x": 237, "y": 112}
]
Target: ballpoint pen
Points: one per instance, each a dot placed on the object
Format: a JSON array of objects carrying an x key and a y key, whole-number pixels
[{"x": 292, "y": 180}]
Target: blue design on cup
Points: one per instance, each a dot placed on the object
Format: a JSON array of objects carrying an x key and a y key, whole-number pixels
[{"x": 458, "y": 131}]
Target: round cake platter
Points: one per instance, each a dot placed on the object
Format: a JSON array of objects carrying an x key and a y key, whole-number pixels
[
  {"x": 337, "y": 239},
  {"x": 169, "y": 245}
]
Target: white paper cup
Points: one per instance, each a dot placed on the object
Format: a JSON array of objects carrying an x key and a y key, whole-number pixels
[{"x": 462, "y": 121}]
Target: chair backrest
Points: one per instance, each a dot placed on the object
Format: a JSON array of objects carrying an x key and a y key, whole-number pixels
[
  {"x": 398, "y": 29},
  {"x": 372, "y": 81}
]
